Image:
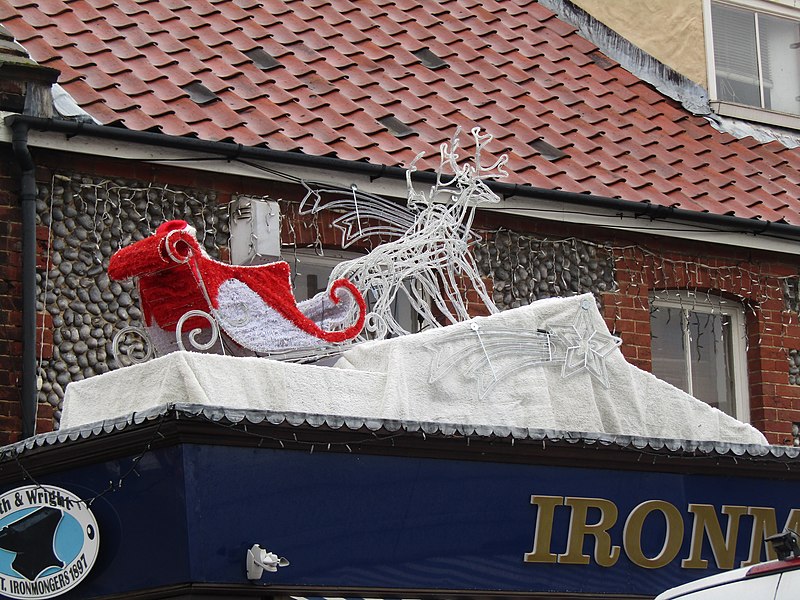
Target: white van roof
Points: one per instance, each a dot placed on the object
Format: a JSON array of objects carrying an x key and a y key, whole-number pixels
[{"x": 759, "y": 570}]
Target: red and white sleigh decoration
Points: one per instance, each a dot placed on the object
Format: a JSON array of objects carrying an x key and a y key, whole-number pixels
[{"x": 184, "y": 292}]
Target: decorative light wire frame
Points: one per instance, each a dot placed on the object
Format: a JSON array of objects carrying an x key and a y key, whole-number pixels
[
  {"x": 493, "y": 353},
  {"x": 429, "y": 262}
]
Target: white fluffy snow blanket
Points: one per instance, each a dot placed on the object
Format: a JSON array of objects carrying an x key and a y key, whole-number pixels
[
  {"x": 550, "y": 365},
  {"x": 493, "y": 370}
]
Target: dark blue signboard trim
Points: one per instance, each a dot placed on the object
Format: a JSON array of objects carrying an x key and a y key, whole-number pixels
[{"x": 373, "y": 521}]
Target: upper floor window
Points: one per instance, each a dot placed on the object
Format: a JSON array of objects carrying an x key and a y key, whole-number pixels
[
  {"x": 755, "y": 61},
  {"x": 698, "y": 345},
  {"x": 310, "y": 273}
]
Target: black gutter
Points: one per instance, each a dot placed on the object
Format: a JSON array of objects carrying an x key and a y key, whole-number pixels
[
  {"x": 30, "y": 392},
  {"x": 231, "y": 151}
]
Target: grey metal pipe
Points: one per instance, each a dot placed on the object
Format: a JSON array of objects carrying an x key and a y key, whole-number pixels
[{"x": 30, "y": 390}]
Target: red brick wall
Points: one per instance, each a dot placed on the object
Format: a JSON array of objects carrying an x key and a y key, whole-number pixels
[
  {"x": 10, "y": 302},
  {"x": 772, "y": 330}
]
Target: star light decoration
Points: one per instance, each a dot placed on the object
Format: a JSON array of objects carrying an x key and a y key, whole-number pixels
[{"x": 586, "y": 347}]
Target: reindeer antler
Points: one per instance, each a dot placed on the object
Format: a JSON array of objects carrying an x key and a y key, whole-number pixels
[
  {"x": 454, "y": 177},
  {"x": 496, "y": 169}
]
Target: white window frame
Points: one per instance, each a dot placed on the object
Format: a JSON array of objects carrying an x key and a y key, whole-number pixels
[
  {"x": 298, "y": 258},
  {"x": 703, "y": 303},
  {"x": 778, "y": 8}
]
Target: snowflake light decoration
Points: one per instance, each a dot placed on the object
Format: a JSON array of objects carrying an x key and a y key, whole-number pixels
[{"x": 586, "y": 347}]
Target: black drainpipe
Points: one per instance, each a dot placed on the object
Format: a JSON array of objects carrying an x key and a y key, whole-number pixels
[{"x": 30, "y": 390}]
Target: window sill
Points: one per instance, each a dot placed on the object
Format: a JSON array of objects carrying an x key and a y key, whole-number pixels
[{"x": 758, "y": 115}]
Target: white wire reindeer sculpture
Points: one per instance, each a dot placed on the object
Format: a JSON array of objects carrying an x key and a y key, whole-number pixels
[{"x": 427, "y": 258}]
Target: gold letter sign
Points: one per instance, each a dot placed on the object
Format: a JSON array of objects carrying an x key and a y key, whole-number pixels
[{"x": 603, "y": 514}]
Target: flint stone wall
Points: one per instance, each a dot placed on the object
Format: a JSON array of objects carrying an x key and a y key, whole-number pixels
[
  {"x": 89, "y": 219},
  {"x": 525, "y": 268}
]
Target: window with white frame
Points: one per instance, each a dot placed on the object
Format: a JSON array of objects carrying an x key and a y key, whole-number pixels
[
  {"x": 698, "y": 345},
  {"x": 310, "y": 273},
  {"x": 754, "y": 59}
]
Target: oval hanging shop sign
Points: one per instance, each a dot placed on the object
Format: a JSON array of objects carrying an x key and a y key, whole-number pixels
[{"x": 48, "y": 541}]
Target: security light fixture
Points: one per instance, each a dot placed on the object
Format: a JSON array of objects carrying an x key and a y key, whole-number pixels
[
  {"x": 259, "y": 560},
  {"x": 785, "y": 544}
]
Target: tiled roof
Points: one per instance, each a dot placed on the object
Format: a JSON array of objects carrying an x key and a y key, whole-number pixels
[{"x": 382, "y": 80}]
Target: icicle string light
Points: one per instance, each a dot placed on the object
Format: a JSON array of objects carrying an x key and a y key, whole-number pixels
[{"x": 638, "y": 272}]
